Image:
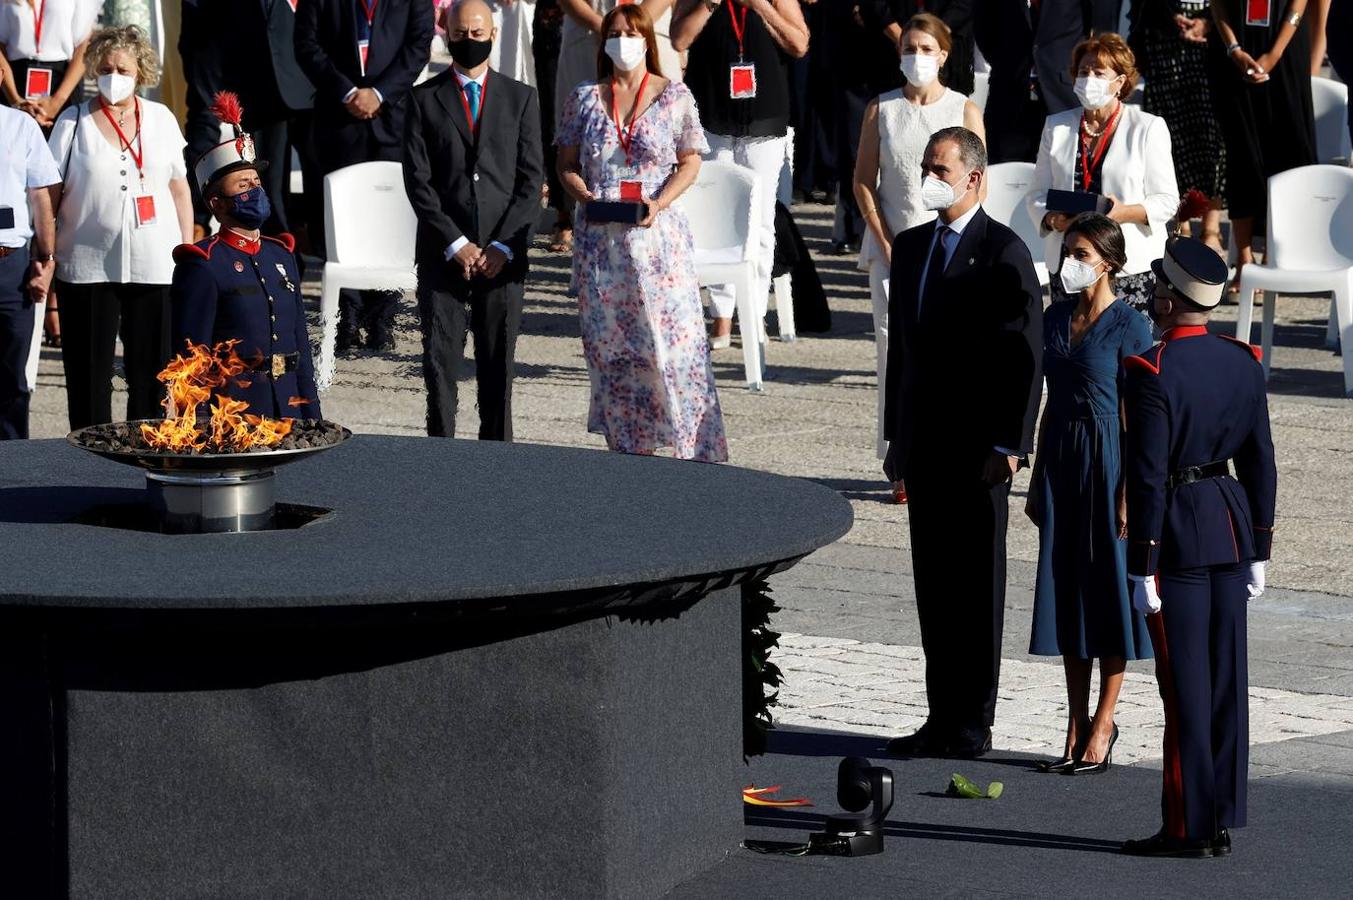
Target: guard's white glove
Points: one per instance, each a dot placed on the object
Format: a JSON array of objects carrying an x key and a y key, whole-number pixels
[
  {"x": 1145, "y": 598},
  {"x": 1256, "y": 583}
]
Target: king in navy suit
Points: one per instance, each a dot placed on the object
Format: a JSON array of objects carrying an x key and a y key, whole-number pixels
[
  {"x": 1201, "y": 486},
  {"x": 240, "y": 285}
]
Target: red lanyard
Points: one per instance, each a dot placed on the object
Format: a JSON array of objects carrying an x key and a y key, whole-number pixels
[
  {"x": 465, "y": 102},
  {"x": 370, "y": 11},
  {"x": 625, "y": 142},
  {"x": 1088, "y": 165},
  {"x": 138, "y": 158},
  {"x": 39, "y": 13},
  {"x": 739, "y": 28}
]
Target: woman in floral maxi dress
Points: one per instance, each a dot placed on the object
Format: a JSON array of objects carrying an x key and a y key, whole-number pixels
[{"x": 642, "y": 324}]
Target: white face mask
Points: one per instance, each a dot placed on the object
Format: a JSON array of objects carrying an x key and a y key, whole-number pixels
[
  {"x": 1078, "y": 276},
  {"x": 937, "y": 194},
  {"x": 116, "y": 87},
  {"x": 626, "y": 52},
  {"x": 1095, "y": 92},
  {"x": 920, "y": 69}
]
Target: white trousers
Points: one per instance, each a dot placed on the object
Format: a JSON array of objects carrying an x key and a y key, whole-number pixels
[
  {"x": 766, "y": 157},
  {"x": 878, "y": 298}
]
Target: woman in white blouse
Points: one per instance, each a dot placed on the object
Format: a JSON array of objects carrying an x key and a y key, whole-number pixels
[
  {"x": 42, "y": 49},
  {"x": 125, "y": 207},
  {"x": 1113, "y": 149},
  {"x": 897, "y": 126}
]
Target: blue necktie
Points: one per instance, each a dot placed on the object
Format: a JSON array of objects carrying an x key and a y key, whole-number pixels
[{"x": 472, "y": 94}]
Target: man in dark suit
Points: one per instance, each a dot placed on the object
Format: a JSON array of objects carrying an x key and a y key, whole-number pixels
[
  {"x": 245, "y": 46},
  {"x": 962, "y": 392},
  {"x": 363, "y": 57},
  {"x": 473, "y": 169},
  {"x": 1028, "y": 44},
  {"x": 1198, "y": 541}
]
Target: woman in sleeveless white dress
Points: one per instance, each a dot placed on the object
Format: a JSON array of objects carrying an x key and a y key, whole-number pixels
[{"x": 897, "y": 127}]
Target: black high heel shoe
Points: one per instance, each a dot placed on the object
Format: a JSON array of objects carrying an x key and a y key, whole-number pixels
[
  {"x": 1084, "y": 768},
  {"x": 1065, "y": 764}
]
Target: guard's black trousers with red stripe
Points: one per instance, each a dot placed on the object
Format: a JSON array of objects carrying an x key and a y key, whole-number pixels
[{"x": 1199, "y": 639}]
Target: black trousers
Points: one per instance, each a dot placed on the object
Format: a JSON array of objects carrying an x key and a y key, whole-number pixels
[
  {"x": 92, "y": 317},
  {"x": 958, "y": 529},
  {"x": 1199, "y": 639},
  {"x": 16, "y": 339},
  {"x": 493, "y": 314}
]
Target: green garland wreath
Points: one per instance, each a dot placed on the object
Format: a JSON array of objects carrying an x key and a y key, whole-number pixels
[{"x": 760, "y": 677}]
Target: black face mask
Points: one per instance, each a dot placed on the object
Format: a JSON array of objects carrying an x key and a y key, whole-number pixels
[{"x": 468, "y": 53}]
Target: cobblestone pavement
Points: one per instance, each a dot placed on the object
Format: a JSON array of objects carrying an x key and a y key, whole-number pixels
[{"x": 851, "y": 652}]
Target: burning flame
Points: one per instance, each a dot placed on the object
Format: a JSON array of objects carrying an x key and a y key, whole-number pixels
[{"x": 191, "y": 379}]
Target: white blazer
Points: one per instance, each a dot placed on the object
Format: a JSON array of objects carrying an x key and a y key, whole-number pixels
[{"x": 1138, "y": 167}]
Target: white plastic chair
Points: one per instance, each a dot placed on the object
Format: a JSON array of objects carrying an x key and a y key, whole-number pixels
[
  {"x": 784, "y": 284},
  {"x": 35, "y": 348},
  {"x": 981, "y": 86},
  {"x": 1330, "y": 99},
  {"x": 1310, "y": 250},
  {"x": 724, "y": 216},
  {"x": 369, "y": 230},
  {"x": 1007, "y": 187}
]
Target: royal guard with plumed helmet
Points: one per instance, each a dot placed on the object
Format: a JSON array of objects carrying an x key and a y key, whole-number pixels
[
  {"x": 1201, "y": 483},
  {"x": 241, "y": 285}
]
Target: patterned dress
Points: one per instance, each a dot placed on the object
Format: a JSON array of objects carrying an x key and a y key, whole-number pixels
[{"x": 638, "y": 301}]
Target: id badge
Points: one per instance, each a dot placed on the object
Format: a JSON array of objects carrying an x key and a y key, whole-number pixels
[
  {"x": 6, "y": 218},
  {"x": 38, "y": 84},
  {"x": 363, "y": 48},
  {"x": 1257, "y": 12},
  {"x": 145, "y": 210},
  {"x": 742, "y": 81}
]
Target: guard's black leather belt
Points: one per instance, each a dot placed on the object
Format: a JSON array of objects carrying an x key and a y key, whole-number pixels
[
  {"x": 278, "y": 364},
  {"x": 1189, "y": 475}
]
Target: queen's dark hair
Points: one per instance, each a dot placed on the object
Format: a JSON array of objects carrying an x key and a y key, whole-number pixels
[{"x": 1104, "y": 235}]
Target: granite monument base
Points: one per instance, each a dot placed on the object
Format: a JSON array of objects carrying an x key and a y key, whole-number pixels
[{"x": 298, "y": 757}]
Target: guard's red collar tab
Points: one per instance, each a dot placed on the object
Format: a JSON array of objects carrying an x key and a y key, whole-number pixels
[
  {"x": 1256, "y": 352},
  {"x": 190, "y": 251},
  {"x": 1183, "y": 331},
  {"x": 241, "y": 243},
  {"x": 287, "y": 241}
]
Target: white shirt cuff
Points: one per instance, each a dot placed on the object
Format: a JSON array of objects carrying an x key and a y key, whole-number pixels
[
  {"x": 502, "y": 247},
  {"x": 1007, "y": 452},
  {"x": 455, "y": 246},
  {"x": 379, "y": 95},
  {"x": 349, "y": 95}
]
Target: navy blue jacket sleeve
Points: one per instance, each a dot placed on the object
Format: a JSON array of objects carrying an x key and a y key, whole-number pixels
[
  {"x": 192, "y": 298},
  {"x": 1258, "y": 473},
  {"x": 519, "y": 220},
  {"x": 396, "y": 79},
  {"x": 1146, "y": 462},
  {"x": 1021, "y": 349}
]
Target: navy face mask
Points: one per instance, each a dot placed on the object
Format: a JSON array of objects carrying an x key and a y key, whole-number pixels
[{"x": 251, "y": 207}]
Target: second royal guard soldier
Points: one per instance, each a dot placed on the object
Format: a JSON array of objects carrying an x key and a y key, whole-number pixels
[
  {"x": 244, "y": 286},
  {"x": 1201, "y": 483}
]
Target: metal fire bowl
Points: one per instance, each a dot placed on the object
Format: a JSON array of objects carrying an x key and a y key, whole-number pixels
[
  {"x": 208, "y": 493},
  {"x": 200, "y": 463}
]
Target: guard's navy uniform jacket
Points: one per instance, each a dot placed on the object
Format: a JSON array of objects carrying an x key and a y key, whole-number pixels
[
  {"x": 229, "y": 287},
  {"x": 1195, "y": 405}
]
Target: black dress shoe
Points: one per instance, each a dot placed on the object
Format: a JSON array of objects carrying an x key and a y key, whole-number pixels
[
  {"x": 1160, "y": 845},
  {"x": 1087, "y": 768},
  {"x": 1221, "y": 844},
  {"x": 838, "y": 248},
  {"x": 927, "y": 741},
  {"x": 1059, "y": 766},
  {"x": 970, "y": 744}
]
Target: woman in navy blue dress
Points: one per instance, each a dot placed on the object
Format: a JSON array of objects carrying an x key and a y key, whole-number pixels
[{"x": 1081, "y": 605}]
